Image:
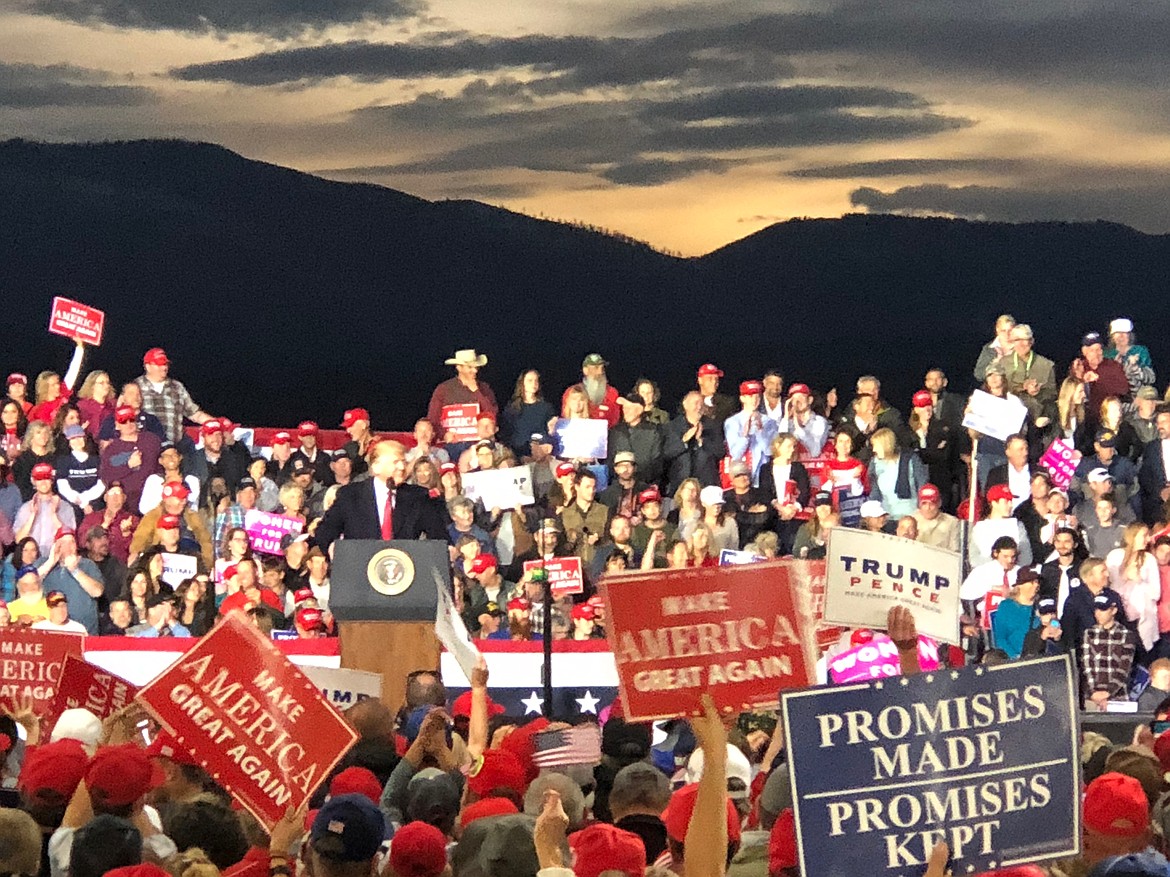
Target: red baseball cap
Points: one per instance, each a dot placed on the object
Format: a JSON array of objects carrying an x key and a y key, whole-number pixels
[
  {"x": 62, "y": 532},
  {"x": 520, "y": 604},
  {"x": 42, "y": 472},
  {"x": 300, "y": 595},
  {"x": 282, "y": 438},
  {"x": 522, "y": 744},
  {"x": 709, "y": 368},
  {"x": 444, "y": 468},
  {"x": 176, "y": 490},
  {"x": 998, "y": 492},
  {"x": 119, "y": 775},
  {"x": 782, "y": 843},
  {"x": 50, "y": 772},
  {"x": 230, "y": 571},
  {"x": 564, "y": 469},
  {"x": 307, "y": 427},
  {"x": 1116, "y": 805},
  {"x": 167, "y": 522},
  {"x": 124, "y": 414},
  {"x": 861, "y": 636},
  {"x": 481, "y": 810},
  {"x": 166, "y": 746},
  {"x": 310, "y": 618},
  {"x": 497, "y": 769},
  {"x": 922, "y": 399},
  {"x": 929, "y": 493},
  {"x": 419, "y": 850},
  {"x": 650, "y": 494},
  {"x": 583, "y": 611},
  {"x": 604, "y": 847},
  {"x": 155, "y": 356},
  {"x": 211, "y": 426},
  {"x": 751, "y": 388},
  {"x": 353, "y": 415},
  {"x": 677, "y": 815},
  {"x": 798, "y": 388},
  {"x": 486, "y": 415},
  {"x": 17, "y": 378},
  {"x": 356, "y": 781},
  {"x": 462, "y": 706},
  {"x": 481, "y": 563}
]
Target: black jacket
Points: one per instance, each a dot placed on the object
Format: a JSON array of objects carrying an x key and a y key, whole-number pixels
[
  {"x": 354, "y": 515},
  {"x": 689, "y": 459},
  {"x": 767, "y": 488}
]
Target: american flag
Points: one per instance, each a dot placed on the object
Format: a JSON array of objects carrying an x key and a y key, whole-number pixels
[{"x": 580, "y": 744}]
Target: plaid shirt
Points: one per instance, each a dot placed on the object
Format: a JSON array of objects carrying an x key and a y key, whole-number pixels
[
  {"x": 1107, "y": 658},
  {"x": 170, "y": 406},
  {"x": 232, "y": 518}
]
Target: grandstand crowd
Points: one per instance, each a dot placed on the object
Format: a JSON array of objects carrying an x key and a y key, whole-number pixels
[{"x": 124, "y": 511}]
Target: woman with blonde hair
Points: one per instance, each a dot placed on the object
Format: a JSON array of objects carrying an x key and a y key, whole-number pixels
[
  {"x": 1070, "y": 418},
  {"x": 784, "y": 485},
  {"x": 701, "y": 547},
  {"x": 895, "y": 476},
  {"x": 688, "y": 510},
  {"x": 52, "y": 392},
  {"x": 37, "y": 447},
  {"x": 1133, "y": 574},
  {"x": 1125, "y": 437},
  {"x": 95, "y": 400}
]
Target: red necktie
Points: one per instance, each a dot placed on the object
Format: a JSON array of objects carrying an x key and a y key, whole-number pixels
[
  {"x": 1006, "y": 584},
  {"x": 388, "y": 517}
]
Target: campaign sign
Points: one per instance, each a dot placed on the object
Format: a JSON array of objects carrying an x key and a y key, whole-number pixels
[
  {"x": 460, "y": 420},
  {"x": 884, "y": 770},
  {"x": 582, "y": 439},
  {"x": 500, "y": 488},
  {"x": 343, "y": 688},
  {"x": 869, "y": 572},
  {"x": 77, "y": 321},
  {"x": 993, "y": 416},
  {"x": 731, "y": 557},
  {"x": 564, "y": 574},
  {"x": 31, "y": 663},
  {"x": 265, "y": 529},
  {"x": 452, "y": 632},
  {"x": 732, "y": 631},
  {"x": 808, "y": 579},
  {"x": 178, "y": 567},
  {"x": 879, "y": 658},
  {"x": 1061, "y": 461},
  {"x": 84, "y": 686},
  {"x": 250, "y": 717}
]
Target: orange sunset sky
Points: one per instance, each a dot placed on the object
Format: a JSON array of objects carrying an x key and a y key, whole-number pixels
[{"x": 687, "y": 125}]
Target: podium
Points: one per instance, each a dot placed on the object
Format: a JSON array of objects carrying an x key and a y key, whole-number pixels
[{"x": 384, "y": 596}]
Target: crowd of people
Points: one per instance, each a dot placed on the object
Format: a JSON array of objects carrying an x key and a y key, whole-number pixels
[{"x": 123, "y": 512}]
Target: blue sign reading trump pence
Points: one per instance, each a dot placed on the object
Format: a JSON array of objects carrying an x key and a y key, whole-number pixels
[{"x": 983, "y": 758}]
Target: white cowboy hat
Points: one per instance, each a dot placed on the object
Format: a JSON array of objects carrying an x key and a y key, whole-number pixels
[{"x": 467, "y": 357}]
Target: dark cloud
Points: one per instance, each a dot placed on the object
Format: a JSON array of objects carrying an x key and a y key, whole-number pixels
[
  {"x": 654, "y": 172},
  {"x": 1146, "y": 207},
  {"x": 902, "y": 167},
  {"x": 1101, "y": 42},
  {"x": 274, "y": 17},
  {"x": 644, "y": 138},
  {"x": 24, "y": 86}
]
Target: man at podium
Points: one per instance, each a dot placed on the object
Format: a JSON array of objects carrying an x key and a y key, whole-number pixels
[{"x": 384, "y": 506}]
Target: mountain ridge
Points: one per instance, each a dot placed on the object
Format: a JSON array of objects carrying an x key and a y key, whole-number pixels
[{"x": 257, "y": 277}]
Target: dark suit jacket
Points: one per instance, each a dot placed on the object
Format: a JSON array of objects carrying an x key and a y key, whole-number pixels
[
  {"x": 767, "y": 488},
  {"x": 1152, "y": 478},
  {"x": 999, "y": 474},
  {"x": 354, "y": 515}
]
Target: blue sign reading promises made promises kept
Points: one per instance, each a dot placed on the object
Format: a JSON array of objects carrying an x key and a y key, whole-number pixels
[{"x": 983, "y": 758}]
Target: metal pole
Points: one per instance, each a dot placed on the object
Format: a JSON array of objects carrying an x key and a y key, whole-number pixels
[{"x": 546, "y": 642}]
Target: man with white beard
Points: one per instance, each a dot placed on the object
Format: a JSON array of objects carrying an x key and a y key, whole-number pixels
[{"x": 604, "y": 401}]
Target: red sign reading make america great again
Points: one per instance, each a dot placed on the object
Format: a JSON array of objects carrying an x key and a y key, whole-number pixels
[
  {"x": 732, "y": 631},
  {"x": 251, "y": 718}
]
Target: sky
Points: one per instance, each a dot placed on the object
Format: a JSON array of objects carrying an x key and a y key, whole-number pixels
[{"x": 688, "y": 125}]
